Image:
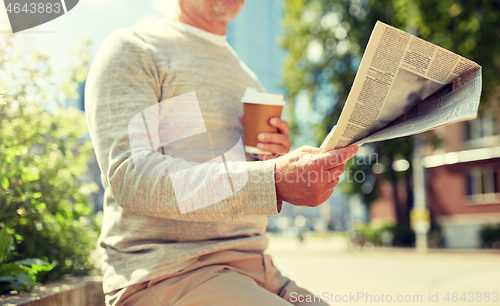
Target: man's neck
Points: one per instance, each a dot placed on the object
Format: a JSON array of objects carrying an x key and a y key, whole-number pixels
[{"x": 215, "y": 27}]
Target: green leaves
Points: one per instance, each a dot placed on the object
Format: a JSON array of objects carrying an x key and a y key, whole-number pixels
[
  {"x": 5, "y": 183},
  {"x": 32, "y": 262},
  {"x": 5, "y": 244},
  {"x": 8, "y": 269},
  {"x": 21, "y": 274},
  {"x": 19, "y": 282},
  {"x": 30, "y": 175},
  {"x": 34, "y": 267}
]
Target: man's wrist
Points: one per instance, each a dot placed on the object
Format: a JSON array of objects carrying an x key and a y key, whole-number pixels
[{"x": 277, "y": 181}]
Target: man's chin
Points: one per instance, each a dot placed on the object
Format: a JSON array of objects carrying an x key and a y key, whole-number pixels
[{"x": 226, "y": 10}]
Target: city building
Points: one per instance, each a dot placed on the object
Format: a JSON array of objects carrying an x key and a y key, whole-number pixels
[
  {"x": 254, "y": 34},
  {"x": 463, "y": 182}
]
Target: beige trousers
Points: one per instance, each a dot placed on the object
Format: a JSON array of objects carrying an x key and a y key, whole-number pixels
[{"x": 222, "y": 278}]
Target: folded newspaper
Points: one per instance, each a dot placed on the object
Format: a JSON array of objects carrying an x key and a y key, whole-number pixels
[{"x": 404, "y": 86}]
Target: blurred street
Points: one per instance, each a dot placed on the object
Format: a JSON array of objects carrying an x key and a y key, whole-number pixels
[{"x": 326, "y": 265}]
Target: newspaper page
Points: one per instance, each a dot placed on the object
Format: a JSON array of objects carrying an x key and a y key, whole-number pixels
[
  {"x": 461, "y": 103},
  {"x": 397, "y": 72}
]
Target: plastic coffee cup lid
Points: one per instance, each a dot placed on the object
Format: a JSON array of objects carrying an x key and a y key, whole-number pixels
[{"x": 253, "y": 96}]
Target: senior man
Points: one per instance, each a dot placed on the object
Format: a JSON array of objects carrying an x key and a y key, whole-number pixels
[{"x": 153, "y": 253}]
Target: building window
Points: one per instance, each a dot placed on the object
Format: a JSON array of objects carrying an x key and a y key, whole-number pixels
[
  {"x": 482, "y": 131},
  {"x": 482, "y": 184}
]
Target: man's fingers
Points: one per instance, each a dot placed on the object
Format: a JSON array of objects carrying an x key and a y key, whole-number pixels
[
  {"x": 334, "y": 158},
  {"x": 240, "y": 117},
  {"x": 273, "y": 143},
  {"x": 309, "y": 149},
  {"x": 328, "y": 195},
  {"x": 274, "y": 138},
  {"x": 331, "y": 185},
  {"x": 281, "y": 124},
  {"x": 333, "y": 173},
  {"x": 272, "y": 148}
]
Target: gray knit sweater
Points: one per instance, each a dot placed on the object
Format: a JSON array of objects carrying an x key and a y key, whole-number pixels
[{"x": 144, "y": 235}]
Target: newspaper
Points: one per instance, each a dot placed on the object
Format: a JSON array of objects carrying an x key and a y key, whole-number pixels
[{"x": 404, "y": 86}]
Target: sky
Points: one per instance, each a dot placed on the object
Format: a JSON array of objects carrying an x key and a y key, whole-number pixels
[{"x": 90, "y": 18}]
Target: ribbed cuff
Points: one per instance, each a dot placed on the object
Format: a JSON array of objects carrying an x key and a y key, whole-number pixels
[{"x": 260, "y": 192}]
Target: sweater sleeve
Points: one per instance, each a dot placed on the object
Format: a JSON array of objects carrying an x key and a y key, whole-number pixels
[{"x": 122, "y": 83}]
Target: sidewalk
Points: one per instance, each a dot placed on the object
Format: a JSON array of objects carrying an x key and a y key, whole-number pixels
[{"x": 325, "y": 266}]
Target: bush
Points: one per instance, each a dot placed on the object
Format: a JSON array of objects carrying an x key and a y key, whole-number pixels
[
  {"x": 393, "y": 235},
  {"x": 490, "y": 236},
  {"x": 366, "y": 233},
  {"x": 42, "y": 157},
  {"x": 44, "y": 152},
  {"x": 21, "y": 274}
]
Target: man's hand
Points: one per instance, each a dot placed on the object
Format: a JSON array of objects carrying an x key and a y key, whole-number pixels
[
  {"x": 274, "y": 143},
  {"x": 306, "y": 177}
]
